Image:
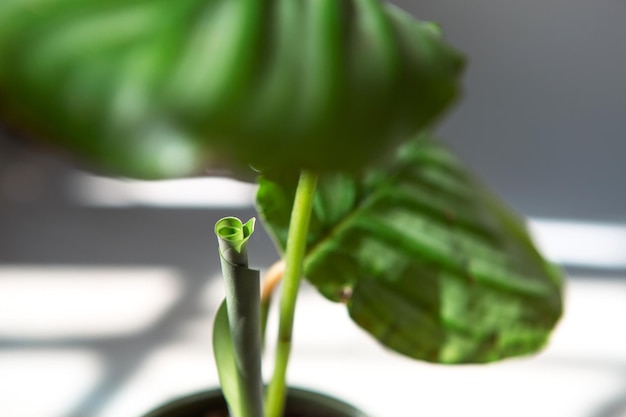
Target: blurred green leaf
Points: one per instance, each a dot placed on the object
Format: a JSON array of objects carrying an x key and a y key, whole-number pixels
[
  {"x": 162, "y": 88},
  {"x": 428, "y": 261}
]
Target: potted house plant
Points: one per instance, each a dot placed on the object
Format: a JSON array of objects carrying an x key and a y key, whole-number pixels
[{"x": 327, "y": 105}]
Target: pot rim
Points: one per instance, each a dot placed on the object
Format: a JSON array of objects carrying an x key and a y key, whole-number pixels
[{"x": 301, "y": 395}]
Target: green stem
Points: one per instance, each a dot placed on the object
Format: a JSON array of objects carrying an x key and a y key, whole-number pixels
[
  {"x": 242, "y": 303},
  {"x": 296, "y": 246}
]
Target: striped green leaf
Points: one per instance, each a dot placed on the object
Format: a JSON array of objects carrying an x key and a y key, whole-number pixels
[
  {"x": 169, "y": 88},
  {"x": 427, "y": 260}
]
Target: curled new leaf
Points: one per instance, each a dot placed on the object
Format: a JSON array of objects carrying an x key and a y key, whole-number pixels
[
  {"x": 162, "y": 88},
  {"x": 237, "y": 328},
  {"x": 232, "y": 236},
  {"x": 427, "y": 260}
]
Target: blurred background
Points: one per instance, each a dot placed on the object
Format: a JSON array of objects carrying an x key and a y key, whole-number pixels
[{"x": 108, "y": 287}]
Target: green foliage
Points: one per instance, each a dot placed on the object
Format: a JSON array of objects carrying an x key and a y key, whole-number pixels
[
  {"x": 225, "y": 360},
  {"x": 427, "y": 261},
  {"x": 162, "y": 88}
]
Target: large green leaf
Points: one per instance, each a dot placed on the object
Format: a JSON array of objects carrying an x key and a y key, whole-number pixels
[
  {"x": 167, "y": 88},
  {"x": 427, "y": 260}
]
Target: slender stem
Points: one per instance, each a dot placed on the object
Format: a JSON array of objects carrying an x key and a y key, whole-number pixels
[
  {"x": 271, "y": 280},
  {"x": 296, "y": 246}
]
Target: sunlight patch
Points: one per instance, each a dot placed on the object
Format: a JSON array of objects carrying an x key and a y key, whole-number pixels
[{"x": 60, "y": 302}]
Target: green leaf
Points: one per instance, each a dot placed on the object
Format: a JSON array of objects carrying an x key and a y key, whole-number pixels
[
  {"x": 162, "y": 88},
  {"x": 233, "y": 236},
  {"x": 427, "y": 260},
  {"x": 225, "y": 360}
]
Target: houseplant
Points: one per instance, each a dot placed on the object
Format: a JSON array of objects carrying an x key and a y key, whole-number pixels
[{"x": 329, "y": 101}]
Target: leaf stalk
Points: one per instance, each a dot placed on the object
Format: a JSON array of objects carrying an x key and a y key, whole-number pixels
[{"x": 296, "y": 247}]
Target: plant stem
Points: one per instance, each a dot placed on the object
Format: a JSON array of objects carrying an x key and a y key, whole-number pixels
[
  {"x": 296, "y": 246},
  {"x": 242, "y": 303},
  {"x": 271, "y": 280}
]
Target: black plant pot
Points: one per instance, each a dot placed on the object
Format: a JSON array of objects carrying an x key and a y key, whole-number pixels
[{"x": 300, "y": 403}]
